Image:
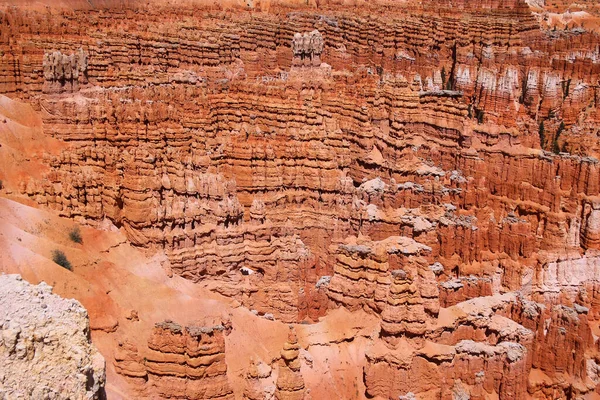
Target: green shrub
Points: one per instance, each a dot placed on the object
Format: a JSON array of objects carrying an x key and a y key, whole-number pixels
[
  {"x": 61, "y": 259},
  {"x": 75, "y": 235},
  {"x": 565, "y": 87},
  {"x": 443, "y": 74},
  {"x": 541, "y": 132},
  {"x": 479, "y": 115},
  {"x": 555, "y": 147}
]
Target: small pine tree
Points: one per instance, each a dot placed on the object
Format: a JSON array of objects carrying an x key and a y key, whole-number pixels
[
  {"x": 566, "y": 85},
  {"x": 479, "y": 114},
  {"x": 524, "y": 88},
  {"x": 443, "y": 75},
  {"x": 555, "y": 147},
  {"x": 75, "y": 235},
  {"x": 61, "y": 259},
  {"x": 542, "y": 136}
]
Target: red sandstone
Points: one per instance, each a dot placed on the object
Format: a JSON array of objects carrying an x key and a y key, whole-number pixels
[{"x": 413, "y": 186}]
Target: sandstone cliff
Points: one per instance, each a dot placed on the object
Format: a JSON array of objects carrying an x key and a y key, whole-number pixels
[{"x": 431, "y": 164}]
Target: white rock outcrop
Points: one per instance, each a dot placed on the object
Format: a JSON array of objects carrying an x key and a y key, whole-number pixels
[{"x": 45, "y": 348}]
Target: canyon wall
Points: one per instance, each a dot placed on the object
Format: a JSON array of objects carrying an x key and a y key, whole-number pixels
[{"x": 432, "y": 163}]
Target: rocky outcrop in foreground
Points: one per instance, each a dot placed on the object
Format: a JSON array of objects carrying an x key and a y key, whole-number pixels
[{"x": 45, "y": 349}]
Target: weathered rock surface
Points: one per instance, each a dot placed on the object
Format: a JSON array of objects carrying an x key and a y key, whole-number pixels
[
  {"x": 45, "y": 348},
  {"x": 433, "y": 164},
  {"x": 181, "y": 362},
  {"x": 290, "y": 384},
  {"x": 389, "y": 278}
]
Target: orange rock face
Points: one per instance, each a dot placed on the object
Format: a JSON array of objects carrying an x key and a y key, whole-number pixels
[
  {"x": 290, "y": 384},
  {"x": 181, "y": 362},
  {"x": 433, "y": 165}
]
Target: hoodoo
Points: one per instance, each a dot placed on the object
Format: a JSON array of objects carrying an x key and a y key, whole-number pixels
[{"x": 300, "y": 199}]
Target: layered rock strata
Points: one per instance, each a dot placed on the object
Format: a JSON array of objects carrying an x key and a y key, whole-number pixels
[
  {"x": 422, "y": 161},
  {"x": 477, "y": 351},
  {"x": 62, "y": 72},
  {"x": 290, "y": 384},
  {"x": 389, "y": 278},
  {"x": 179, "y": 362}
]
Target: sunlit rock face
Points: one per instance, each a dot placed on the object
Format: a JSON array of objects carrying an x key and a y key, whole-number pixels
[
  {"x": 45, "y": 348},
  {"x": 433, "y": 165}
]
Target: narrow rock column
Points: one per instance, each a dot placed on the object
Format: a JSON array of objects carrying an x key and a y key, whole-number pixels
[
  {"x": 591, "y": 234},
  {"x": 290, "y": 384}
]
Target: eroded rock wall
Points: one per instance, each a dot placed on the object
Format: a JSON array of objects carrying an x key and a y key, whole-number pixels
[
  {"x": 434, "y": 164},
  {"x": 181, "y": 362}
]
